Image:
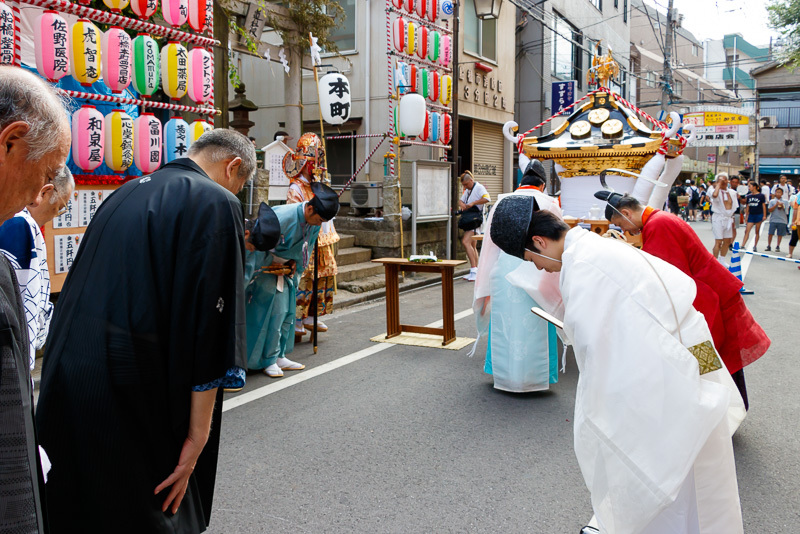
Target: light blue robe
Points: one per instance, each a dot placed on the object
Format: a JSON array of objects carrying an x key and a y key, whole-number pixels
[
  {"x": 522, "y": 350},
  {"x": 270, "y": 313}
]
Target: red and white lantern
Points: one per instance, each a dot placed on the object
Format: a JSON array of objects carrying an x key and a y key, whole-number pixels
[
  {"x": 197, "y": 14},
  {"x": 408, "y": 5},
  {"x": 413, "y": 80},
  {"x": 201, "y": 75},
  {"x": 147, "y": 143},
  {"x": 88, "y": 138},
  {"x": 175, "y": 12},
  {"x": 51, "y": 35},
  {"x": 144, "y": 9},
  {"x": 398, "y": 3},
  {"x": 7, "y": 34},
  {"x": 421, "y": 8},
  {"x": 399, "y": 36},
  {"x": 433, "y": 86},
  {"x": 432, "y": 8},
  {"x": 117, "y": 59},
  {"x": 422, "y": 42},
  {"x": 426, "y": 130},
  {"x": 445, "y": 129}
]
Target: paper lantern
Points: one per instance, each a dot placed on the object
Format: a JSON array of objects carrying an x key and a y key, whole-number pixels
[
  {"x": 147, "y": 143},
  {"x": 412, "y": 114},
  {"x": 334, "y": 98},
  {"x": 399, "y": 78},
  {"x": 446, "y": 8},
  {"x": 175, "y": 12},
  {"x": 146, "y": 65},
  {"x": 88, "y": 138},
  {"x": 7, "y": 35},
  {"x": 408, "y": 5},
  {"x": 116, "y": 5},
  {"x": 433, "y": 86},
  {"x": 117, "y": 59},
  {"x": 198, "y": 128},
  {"x": 433, "y": 127},
  {"x": 411, "y": 30},
  {"x": 119, "y": 140},
  {"x": 85, "y": 52},
  {"x": 426, "y": 130},
  {"x": 176, "y": 139},
  {"x": 399, "y": 36},
  {"x": 396, "y": 121},
  {"x": 174, "y": 70},
  {"x": 398, "y": 3},
  {"x": 434, "y": 44},
  {"x": 422, "y": 82},
  {"x": 201, "y": 75},
  {"x": 432, "y": 7},
  {"x": 412, "y": 78},
  {"x": 446, "y": 129},
  {"x": 445, "y": 89},
  {"x": 421, "y": 8},
  {"x": 51, "y": 34},
  {"x": 144, "y": 9},
  {"x": 422, "y": 42},
  {"x": 197, "y": 14},
  {"x": 445, "y": 51}
]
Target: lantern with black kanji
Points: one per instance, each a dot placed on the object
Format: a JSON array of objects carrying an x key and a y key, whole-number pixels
[
  {"x": 174, "y": 70},
  {"x": 334, "y": 98},
  {"x": 51, "y": 35},
  {"x": 85, "y": 52},
  {"x": 117, "y": 59},
  {"x": 146, "y": 65},
  {"x": 175, "y": 12},
  {"x": 119, "y": 140},
  {"x": 147, "y": 143},
  {"x": 176, "y": 139},
  {"x": 201, "y": 75},
  {"x": 88, "y": 138},
  {"x": 144, "y": 9},
  {"x": 197, "y": 14}
]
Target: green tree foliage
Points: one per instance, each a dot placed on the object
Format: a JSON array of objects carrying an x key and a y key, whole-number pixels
[{"x": 784, "y": 16}]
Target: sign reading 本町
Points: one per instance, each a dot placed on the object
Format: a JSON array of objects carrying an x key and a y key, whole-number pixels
[{"x": 720, "y": 126}]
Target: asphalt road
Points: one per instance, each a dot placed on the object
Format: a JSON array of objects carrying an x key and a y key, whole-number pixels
[{"x": 407, "y": 439}]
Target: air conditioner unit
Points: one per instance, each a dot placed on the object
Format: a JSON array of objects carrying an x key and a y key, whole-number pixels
[
  {"x": 366, "y": 195},
  {"x": 769, "y": 121}
]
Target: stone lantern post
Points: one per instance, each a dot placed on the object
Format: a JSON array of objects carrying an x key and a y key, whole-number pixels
[{"x": 241, "y": 107}]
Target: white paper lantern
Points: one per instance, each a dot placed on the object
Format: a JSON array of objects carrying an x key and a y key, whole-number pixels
[
  {"x": 412, "y": 114},
  {"x": 334, "y": 98}
]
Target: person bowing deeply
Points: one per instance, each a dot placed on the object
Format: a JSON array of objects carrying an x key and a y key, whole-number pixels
[{"x": 655, "y": 408}]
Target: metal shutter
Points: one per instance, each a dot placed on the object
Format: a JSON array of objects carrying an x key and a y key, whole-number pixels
[{"x": 487, "y": 156}]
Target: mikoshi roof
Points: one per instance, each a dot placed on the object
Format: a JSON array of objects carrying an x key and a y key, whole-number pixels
[{"x": 602, "y": 133}]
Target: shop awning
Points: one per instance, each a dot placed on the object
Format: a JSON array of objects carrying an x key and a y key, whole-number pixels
[{"x": 779, "y": 169}]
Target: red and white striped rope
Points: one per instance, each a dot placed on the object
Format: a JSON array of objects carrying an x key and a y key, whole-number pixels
[
  {"x": 145, "y": 103},
  {"x": 362, "y": 165},
  {"x": 418, "y": 19},
  {"x": 521, "y": 137},
  {"x": 446, "y": 109},
  {"x": 389, "y": 79},
  {"x": 354, "y": 136},
  {"x": 413, "y": 59},
  {"x": 106, "y": 17},
  {"x": 423, "y": 143},
  {"x": 655, "y": 122},
  {"x": 17, "y": 35}
]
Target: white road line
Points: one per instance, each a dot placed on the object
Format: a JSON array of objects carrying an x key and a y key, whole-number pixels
[
  {"x": 747, "y": 257},
  {"x": 284, "y": 383}
]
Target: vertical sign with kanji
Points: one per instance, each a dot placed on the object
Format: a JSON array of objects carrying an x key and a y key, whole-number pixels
[{"x": 563, "y": 96}]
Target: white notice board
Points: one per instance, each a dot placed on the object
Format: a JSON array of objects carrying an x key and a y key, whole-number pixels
[{"x": 430, "y": 196}]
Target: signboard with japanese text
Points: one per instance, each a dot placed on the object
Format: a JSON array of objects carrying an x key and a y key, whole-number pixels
[
  {"x": 65, "y": 247},
  {"x": 563, "y": 95},
  {"x": 720, "y": 126}
]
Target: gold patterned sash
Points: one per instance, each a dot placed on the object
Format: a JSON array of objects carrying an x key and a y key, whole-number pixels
[{"x": 706, "y": 356}]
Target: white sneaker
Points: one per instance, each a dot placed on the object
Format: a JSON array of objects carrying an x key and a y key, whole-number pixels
[
  {"x": 273, "y": 371},
  {"x": 285, "y": 364},
  {"x": 471, "y": 277}
]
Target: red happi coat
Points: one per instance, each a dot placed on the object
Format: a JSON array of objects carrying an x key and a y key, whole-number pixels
[{"x": 738, "y": 338}]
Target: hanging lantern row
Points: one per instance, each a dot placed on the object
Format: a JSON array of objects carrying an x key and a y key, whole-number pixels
[
  {"x": 410, "y": 38},
  {"x": 429, "y": 83},
  {"x": 432, "y": 9},
  {"x": 7, "y": 34},
  {"x": 81, "y": 51},
  {"x": 175, "y": 12},
  {"x": 412, "y": 119},
  {"x": 438, "y": 128},
  {"x": 120, "y": 141},
  {"x": 334, "y": 98}
]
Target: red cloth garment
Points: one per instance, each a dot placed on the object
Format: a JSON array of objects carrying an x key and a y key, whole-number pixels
[{"x": 737, "y": 336}]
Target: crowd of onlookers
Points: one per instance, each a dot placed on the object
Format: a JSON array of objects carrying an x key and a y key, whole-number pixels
[{"x": 758, "y": 202}]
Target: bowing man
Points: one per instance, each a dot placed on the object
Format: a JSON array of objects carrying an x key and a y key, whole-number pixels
[
  {"x": 272, "y": 288},
  {"x": 655, "y": 408}
]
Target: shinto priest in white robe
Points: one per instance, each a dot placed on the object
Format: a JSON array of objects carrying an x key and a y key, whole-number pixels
[{"x": 652, "y": 434}]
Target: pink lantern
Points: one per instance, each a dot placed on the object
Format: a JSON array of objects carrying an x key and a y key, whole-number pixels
[
  {"x": 446, "y": 129},
  {"x": 399, "y": 36},
  {"x": 51, "y": 35},
  {"x": 201, "y": 75},
  {"x": 175, "y": 12},
  {"x": 7, "y": 35},
  {"x": 444, "y": 55},
  {"x": 144, "y": 9},
  {"x": 88, "y": 138},
  {"x": 117, "y": 59},
  {"x": 197, "y": 14},
  {"x": 147, "y": 143}
]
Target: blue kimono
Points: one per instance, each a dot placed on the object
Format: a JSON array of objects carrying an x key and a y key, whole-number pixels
[{"x": 270, "y": 313}]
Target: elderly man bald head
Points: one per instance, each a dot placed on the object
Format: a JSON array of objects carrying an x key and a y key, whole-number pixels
[{"x": 34, "y": 138}]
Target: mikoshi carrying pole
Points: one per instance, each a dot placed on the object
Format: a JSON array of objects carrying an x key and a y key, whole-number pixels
[{"x": 315, "y": 298}]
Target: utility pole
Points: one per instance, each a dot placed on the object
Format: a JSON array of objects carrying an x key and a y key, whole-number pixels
[
  {"x": 666, "y": 78},
  {"x": 454, "y": 182}
]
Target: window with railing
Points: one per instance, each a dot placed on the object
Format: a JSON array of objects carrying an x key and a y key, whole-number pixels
[{"x": 785, "y": 107}]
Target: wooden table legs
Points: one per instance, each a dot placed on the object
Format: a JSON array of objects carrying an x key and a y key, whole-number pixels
[
  {"x": 448, "y": 312},
  {"x": 392, "y": 300}
]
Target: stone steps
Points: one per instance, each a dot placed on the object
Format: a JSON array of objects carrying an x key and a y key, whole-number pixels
[
  {"x": 353, "y": 255},
  {"x": 346, "y": 241},
  {"x": 356, "y": 271}
]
